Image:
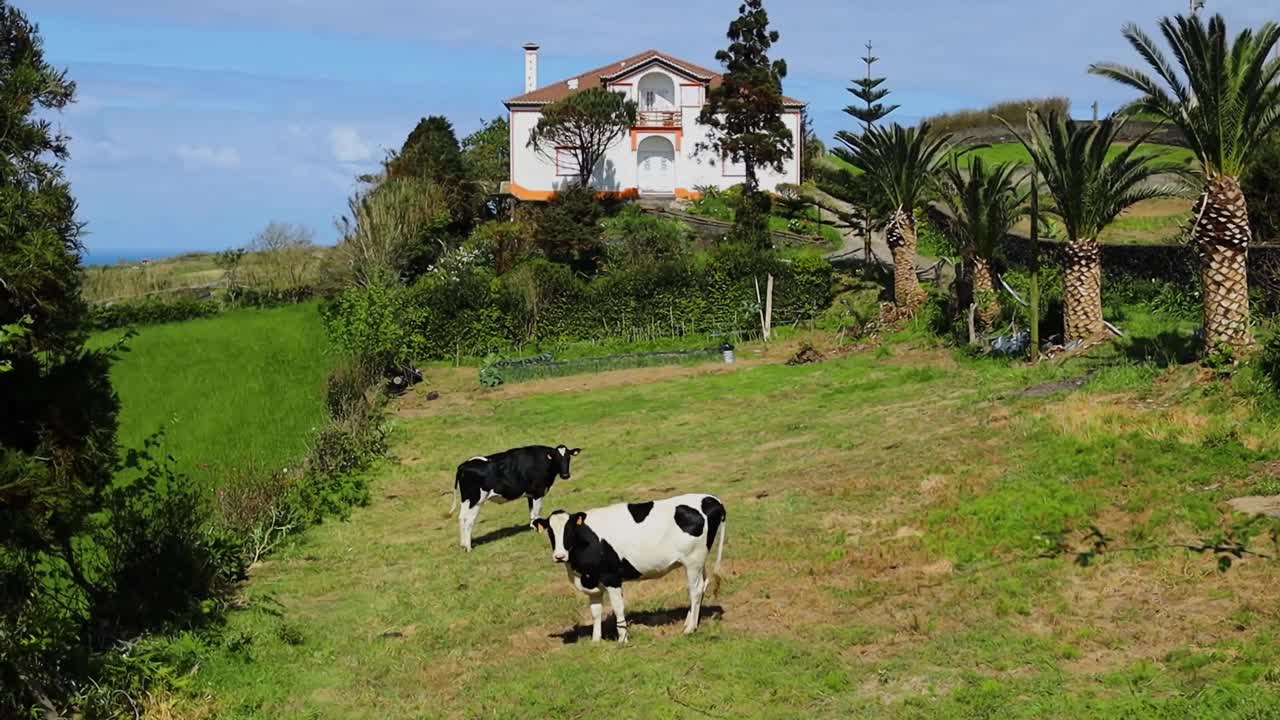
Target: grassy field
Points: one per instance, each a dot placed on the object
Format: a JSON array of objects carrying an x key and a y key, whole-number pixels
[
  {"x": 243, "y": 388},
  {"x": 128, "y": 280},
  {"x": 889, "y": 513},
  {"x": 1015, "y": 152}
]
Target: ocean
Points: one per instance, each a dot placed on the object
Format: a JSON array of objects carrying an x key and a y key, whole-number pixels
[{"x": 111, "y": 257}]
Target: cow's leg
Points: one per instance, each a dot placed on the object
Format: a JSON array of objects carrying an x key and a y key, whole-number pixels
[
  {"x": 596, "y": 599},
  {"x": 697, "y": 586},
  {"x": 467, "y": 520},
  {"x": 619, "y": 611},
  {"x": 535, "y": 510}
]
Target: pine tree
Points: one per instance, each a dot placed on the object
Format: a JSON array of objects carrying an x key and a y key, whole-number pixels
[
  {"x": 57, "y": 408},
  {"x": 868, "y": 90},
  {"x": 745, "y": 115}
]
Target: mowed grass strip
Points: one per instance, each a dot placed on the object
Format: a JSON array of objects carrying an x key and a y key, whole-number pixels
[
  {"x": 884, "y": 517},
  {"x": 243, "y": 389}
]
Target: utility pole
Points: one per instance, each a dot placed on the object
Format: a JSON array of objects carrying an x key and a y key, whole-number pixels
[{"x": 1095, "y": 112}]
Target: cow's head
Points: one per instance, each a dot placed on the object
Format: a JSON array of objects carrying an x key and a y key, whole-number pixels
[
  {"x": 563, "y": 530},
  {"x": 559, "y": 458}
]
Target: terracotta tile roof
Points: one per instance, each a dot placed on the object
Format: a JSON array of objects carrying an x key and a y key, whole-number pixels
[{"x": 596, "y": 78}]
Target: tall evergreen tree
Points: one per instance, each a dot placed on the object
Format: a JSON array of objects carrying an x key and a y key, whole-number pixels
[
  {"x": 868, "y": 89},
  {"x": 58, "y": 416},
  {"x": 745, "y": 112}
]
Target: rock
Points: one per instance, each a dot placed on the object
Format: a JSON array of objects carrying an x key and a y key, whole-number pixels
[{"x": 1268, "y": 505}]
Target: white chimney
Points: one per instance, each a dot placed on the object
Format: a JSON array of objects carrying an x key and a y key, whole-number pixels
[{"x": 530, "y": 67}]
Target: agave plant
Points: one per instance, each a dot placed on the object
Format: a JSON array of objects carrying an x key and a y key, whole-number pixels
[
  {"x": 903, "y": 162},
  {"x": 1089, "y": 192},
  {"x": 985, "y": 203},
  {"x": 1224, "y": 97}
]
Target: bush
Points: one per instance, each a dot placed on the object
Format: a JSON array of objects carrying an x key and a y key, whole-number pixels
[
  {"x": 1269, "y": 362},
  {"x": 504, "y": 243},
  {"x": 931, "y": 241},
  {"x": 634, "y": 238},
  {"x": 385, "y": 323},
  {"x": 150, "y": 312},
  {"x": 569, "y": 229},
  {"x": 1261, "y": 186}
]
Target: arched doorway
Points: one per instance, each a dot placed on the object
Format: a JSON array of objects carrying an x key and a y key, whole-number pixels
[
  {"x": 656, "y": 166},
  {"x": 657, "y": 91}
]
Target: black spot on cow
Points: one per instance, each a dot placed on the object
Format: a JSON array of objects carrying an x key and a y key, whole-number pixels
[
  {"x": 640, "y": 511},
  {"x": 594, "y": 560},
  {"x": 628, "y": 571},
  {"x": 689, "y": 520},
  {"x": 716, "y": 514}
]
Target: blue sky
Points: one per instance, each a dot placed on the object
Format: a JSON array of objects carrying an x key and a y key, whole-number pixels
[{"x": 199, "y": 121}]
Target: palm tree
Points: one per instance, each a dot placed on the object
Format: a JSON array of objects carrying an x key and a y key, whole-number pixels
[
  {"x": 1225, "y": 100},
  {"x": 985, "y": 203},
  {"x": 1089, "y": 192},
  {"x": 902, "y": 161}
]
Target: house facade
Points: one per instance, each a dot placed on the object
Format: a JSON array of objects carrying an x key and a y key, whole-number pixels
[{"x": 660, "y": 156}]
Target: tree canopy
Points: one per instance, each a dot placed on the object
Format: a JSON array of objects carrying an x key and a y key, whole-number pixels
[
  {"x": 745, "y": 111},
  {"x": 584, "y": 125}
]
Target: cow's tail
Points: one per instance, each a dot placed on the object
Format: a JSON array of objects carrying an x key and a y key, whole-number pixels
[
  {"x": 456, "y": 495},
  {"x": 715, "y": 572}
]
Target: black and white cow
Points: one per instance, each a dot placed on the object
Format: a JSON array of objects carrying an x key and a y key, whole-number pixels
[
  {"x": 522, "y": 472},
  {"x": 605, "y": 547}
]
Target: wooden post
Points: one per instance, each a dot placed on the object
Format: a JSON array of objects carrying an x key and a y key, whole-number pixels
[
  {"x": 1034, "y": 310},
  {"x": 768, "y": 309},
  {"x": 764, "y": 329}
]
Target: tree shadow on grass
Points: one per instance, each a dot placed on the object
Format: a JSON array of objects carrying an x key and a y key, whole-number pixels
[
  {"x": 499, "y": 534},
  {"x": 1166, "y": 349},
  {"x": 648, "y": 618}
]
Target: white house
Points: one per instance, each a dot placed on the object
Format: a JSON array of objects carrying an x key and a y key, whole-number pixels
[{"x": 661, "y": 155}]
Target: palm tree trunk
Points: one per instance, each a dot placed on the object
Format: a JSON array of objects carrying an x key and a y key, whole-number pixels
[
  {"x": 901, "y": 236},
  {"x": 1083, "y": 291},
  {"x": 1222, "y": 237},
  {"x": 984, "y": 292}
]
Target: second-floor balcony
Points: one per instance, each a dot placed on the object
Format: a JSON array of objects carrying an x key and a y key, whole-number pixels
[{"x": 658, "y": 118}]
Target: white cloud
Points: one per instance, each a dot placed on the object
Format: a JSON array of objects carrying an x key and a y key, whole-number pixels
[
  {"x": 197, "y": 157},
  {"x": 348, "y": 146}
]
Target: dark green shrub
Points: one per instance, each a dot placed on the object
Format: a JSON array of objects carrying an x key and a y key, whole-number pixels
[
  {"x": 503, "y": 243},
  {"x": 160, "y": 555},
  {"x": 348, "y": 385},
  {"x": 332, "y": 483},
  {"x": 569, "y": 229},
  {"x": 1261, "y": 185},
  {"x": 1269, "y": 362},
  {"x": 385, "y": 323},
  {"x": 150, "y": 312},
  {"x": 634, "y": 238}
]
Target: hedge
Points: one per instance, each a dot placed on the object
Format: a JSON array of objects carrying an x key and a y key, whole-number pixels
[
  {"x": 153, "y": 311},
  {"x": 474, "y": 313}
]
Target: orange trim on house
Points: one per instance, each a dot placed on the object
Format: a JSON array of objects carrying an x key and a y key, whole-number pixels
[
  {"x": 687, "y": 194},
  {"x": 523, "y": 193}
]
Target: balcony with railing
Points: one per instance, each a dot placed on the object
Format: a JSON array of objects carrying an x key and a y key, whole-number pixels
[{"x": 658, "y": 119}]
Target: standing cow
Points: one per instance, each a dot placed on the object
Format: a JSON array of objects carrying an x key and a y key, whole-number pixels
[
  {"x": 523, "y": 472},
  {"x": 605, "y": 547}
]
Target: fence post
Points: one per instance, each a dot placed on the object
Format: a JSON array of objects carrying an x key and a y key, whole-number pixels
[
  {"x": 1034, "y": 310},
  {"x": 768, "y": 309}
]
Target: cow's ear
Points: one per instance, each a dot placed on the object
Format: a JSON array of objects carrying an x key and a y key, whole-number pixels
[
  {"x": 579, "y": 518},
  {"x": 575, "y": 451},
  {"x": 541, "y": 525}
]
